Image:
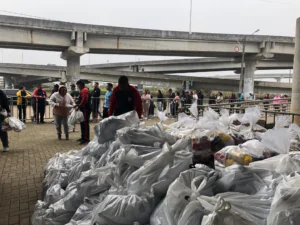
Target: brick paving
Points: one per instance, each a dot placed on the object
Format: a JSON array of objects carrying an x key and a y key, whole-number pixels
[{"x": 21, "y": 169}]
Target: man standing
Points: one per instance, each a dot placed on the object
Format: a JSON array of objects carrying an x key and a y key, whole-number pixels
[
  {"x": 74, "y": 93},
  {"x": 4, "y": 105},
  {"x": 84, "y": 105},
  {"x": 108, "y": 94},
  {"x": 55, "y": 89},
  {"x": 22, "y": 103},
  {"x": 171, "y": 97},
  {"x": 40, "y": 95},
  {"x": 125, "y": 98},
  {"x": 96, "y": 100}
]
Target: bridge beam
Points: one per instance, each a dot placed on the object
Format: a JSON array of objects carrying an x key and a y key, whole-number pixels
[{"x": 295, "y": 108}]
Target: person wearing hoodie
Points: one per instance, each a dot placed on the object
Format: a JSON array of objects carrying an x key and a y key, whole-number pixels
[
  {"x": 61, "y": 102},
  {"x": 277, "y": 102}
]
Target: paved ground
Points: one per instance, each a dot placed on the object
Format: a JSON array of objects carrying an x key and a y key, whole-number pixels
[{"x": 21, "y": 169}]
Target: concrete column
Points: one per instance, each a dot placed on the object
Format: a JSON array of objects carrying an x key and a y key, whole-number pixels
[
  {"x": 250, "y": 68},
  {"x": 278, "y": 80},
  {"x": 73, "y": 69},
  {"x": 72, "y": 56},
  {"x": 8, "y": 84},
  {"x": 295, "y": 108}
]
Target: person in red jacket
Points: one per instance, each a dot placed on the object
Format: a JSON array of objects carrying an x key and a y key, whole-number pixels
[
  {"x": 40, "y": 96},
  {"x": 84, "y": 105},
  {"x": 125, "y": 98}
]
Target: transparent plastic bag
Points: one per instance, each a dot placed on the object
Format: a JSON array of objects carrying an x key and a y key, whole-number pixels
[
  {"x": 107, "y": 128},
  {"x": 124, "y": 210},
  {"x": 251, "y": 116},
  {"x": 231, "y": 155},
  {"x": 14, "y": 124},
  {"x": 210, "y": 114},
  {"x": 281, "y": 164},
  {"x": 277, "y": 140},
  {"x": 187, "y": 187},
  {"x": 162, "y": 116},
  {"x": 157, "y": 168},
  {"x": 194, "y": 109},
  {"x": 286, "y": 204},
  {"x": 75, "y": 117},
  {"x": 282, "y": 121},
  {"x": 145, "y": 136}
]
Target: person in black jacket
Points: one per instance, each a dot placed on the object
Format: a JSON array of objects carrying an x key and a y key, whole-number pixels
[
  {"x": 4, "y": 105},
  {"x": 95, "y": 94}
]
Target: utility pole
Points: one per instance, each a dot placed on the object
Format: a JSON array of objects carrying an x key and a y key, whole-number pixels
[
  {"x": 241, "y": 84},
  {"x": 191, "y": 11}
]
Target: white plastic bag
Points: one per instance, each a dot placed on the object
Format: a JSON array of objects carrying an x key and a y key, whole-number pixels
[
  {"x": 194, "y": 109},
  {"x": 107, "y": 128},
  {"x": 187, "y": 187},
  {"x": 281, "y": 164},
  {"x": 285, "y": 207},
  {"x": 15, "y": 124},
  {"x": 277, "y": 140},
  {"x": 282, "y": 122},
  {"x": 75, "y": 117},
  {"x": 162, "y": 116},
  {"x": 251, "y": 116}
]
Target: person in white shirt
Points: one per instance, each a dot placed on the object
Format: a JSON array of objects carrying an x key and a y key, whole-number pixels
[{"x": 61, "y": 102}]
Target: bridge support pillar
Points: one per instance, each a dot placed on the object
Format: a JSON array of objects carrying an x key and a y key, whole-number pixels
[
  {"x": 8, "y": 84},
  {"x": 72, "y": 55},
  {"x": 250, "y": 68},
  {"x": 295, "y": 108},
  {"x": 278, "y": 80}
]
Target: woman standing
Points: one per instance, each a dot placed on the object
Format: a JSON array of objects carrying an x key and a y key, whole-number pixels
[
  {"x": 61, "y": 102},
  {"x": 195, "y": 96},
  {"x": 276, "y": 103},
  {"x": 220, "y": 98},
  {"x": 22, "y": 103},
  {"x": 146, "y": 103},
  {"x": 176, "y": 101},
  {"x": 160, "y": 100}
]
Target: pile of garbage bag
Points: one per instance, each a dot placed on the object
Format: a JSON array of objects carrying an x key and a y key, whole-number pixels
[{"x": 208, "y": 170}]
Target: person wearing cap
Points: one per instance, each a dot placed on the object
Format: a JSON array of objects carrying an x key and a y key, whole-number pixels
[
  {"x": 84, "y": 105},
  {"x": 61, "y": 102},
  {"x": 55, "y": 89},
  {"x": 125, "y": 98},
  {"x": 108, "y": 94}
]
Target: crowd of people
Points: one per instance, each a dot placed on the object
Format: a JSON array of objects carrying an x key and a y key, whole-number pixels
[{"x": 118, "y": 100}]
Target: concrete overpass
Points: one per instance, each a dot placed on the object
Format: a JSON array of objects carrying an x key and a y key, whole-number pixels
[
  {"x": 74, "y": 40},
  {"x": 275, "y": 76},
  {"x": 21, "y": 74},
  {"x": 190, "y": 65}
]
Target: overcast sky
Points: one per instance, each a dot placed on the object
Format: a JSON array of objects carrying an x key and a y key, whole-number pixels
[{"x": 272, "y": 17}]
